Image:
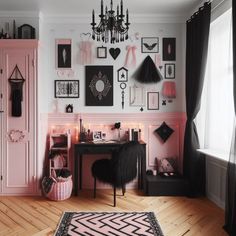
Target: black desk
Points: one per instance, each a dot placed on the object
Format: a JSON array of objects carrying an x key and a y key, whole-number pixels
[{"x": 103, "y": 148}]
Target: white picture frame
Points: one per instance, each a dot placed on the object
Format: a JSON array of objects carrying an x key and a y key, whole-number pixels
[
  {"x": 137, "y": 97},
  {"x": 97, "y": 135}
]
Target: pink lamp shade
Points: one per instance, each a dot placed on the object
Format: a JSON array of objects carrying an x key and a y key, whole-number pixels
[{"x": 168, "y": 89}]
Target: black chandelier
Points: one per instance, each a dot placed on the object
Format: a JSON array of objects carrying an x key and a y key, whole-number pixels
[{"x": 111, "y": 27}]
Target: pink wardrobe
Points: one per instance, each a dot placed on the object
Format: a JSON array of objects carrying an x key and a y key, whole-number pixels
[{"x": 18, "y": 117}]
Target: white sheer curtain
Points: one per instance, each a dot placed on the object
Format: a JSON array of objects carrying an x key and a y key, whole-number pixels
[{"x": 215, "y": 119}]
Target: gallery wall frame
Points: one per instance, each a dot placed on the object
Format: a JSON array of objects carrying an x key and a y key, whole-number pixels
[
  {"x": 137, "y": 97},
  {"x": 169, "y": 49},
  {"x": 66, "y": 89},
  {"x": 153, "y": 100},
  {"x": 63, "y": 53},
  {"x": 150, "y": 45},
  {"x": 122, "y": 75},
  {"x": 169, "y": 71},
  {"x": 101, "y": 52},
  {"x": 99, "y": 85}
]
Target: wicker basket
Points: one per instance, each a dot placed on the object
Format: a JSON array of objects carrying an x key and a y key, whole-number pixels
[{"x": 60, "y": 190}]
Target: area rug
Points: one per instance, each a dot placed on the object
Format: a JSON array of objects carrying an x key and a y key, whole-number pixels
[{"x": 109, "y": 224}]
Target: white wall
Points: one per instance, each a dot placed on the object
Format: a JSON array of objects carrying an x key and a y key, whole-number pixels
[{"x": 55, "y": 29}]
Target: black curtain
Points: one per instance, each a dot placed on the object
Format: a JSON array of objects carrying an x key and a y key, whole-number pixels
[
  {"x": 230, "y": 201},
  {"x": 196, "y": 57}
]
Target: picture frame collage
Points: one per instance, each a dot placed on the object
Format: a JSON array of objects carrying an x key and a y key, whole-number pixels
[{"x": 102, "y": 90}]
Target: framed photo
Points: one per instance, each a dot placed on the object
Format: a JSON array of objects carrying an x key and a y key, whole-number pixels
[
  {"x": 101, "y": 52},
  {"x": 150, "y": 45},
  {"x": 26, "y": 32},
  {"x": 63, "y": 53},
  {"x": 66, "y": 88},
  {"x": 99, "y": 86},
  {"x": 137, "y": 96},
  {"x": 97, "y": 135},
  {"x": 153, "y": 100},
  {"x": 169, "y": 71},
  {"x": 122, "y": 75},
  {"x": 169, "y": 48}
]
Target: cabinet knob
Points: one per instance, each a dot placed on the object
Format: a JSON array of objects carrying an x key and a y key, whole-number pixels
[{"x": 1, "y": 111}]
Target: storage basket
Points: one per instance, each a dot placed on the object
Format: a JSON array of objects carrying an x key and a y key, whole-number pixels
[{"x": 60, "y": 190}]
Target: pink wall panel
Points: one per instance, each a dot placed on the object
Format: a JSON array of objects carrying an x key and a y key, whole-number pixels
[{"x": 147, "y": 122}]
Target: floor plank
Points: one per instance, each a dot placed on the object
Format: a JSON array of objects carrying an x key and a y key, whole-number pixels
[{"x": 177, "y": 216}]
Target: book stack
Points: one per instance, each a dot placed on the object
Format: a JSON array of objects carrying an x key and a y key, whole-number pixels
[{"x": 134, "y": 134}]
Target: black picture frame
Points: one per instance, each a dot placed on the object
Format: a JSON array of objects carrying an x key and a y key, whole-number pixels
[
  {"x": 122, "y": 75},
  {"x": 153, "y": 100},
  {"x": 99, "y": 86},
  {"x": 66, "y": 89},
  {"x": 26, "y": 31},
  {"x": 150, "y": 45},
  {"x": 169, "y": 71},
  {"x": 63, "y": 54},
  {"x": 169, "y": 49},
  {"x": 101, "y": 52}
]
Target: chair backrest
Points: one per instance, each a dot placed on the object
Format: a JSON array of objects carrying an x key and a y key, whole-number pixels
[{"x": 124, "y": 162}]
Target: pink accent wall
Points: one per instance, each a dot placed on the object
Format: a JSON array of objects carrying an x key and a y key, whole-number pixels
[{"x": 147, "y": 122}]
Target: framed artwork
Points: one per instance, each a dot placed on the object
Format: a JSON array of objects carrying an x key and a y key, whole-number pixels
[
  {"x": 66, "y": 88},
  {"x": 169, "y": 71},
  {"x": 122, "y": 75},
  {"x": 101, "y": 52},
  {"x": 153, "y": 100},
  {"x": 137, "y": 96},
  {"x": 97, "y": 135},
  {"x": 26, "y": 32},
  {"x": 63, "y": 53},
  {"x": 169, "y": 48},
  {"x": 150, "y": 45},
  {"x": 99, "y": 86}
]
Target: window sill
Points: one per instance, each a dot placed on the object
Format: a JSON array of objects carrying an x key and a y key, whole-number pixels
[{"x": 216, "y": 154}]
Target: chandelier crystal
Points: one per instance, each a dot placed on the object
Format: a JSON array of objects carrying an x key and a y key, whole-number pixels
[{"x": 111, "y": 28}]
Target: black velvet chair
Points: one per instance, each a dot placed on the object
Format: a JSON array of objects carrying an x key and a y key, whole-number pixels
[{"x": 120, "y": 169}]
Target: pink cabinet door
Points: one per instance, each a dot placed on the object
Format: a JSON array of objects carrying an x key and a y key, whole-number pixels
[{"x": 18, "y": 133}]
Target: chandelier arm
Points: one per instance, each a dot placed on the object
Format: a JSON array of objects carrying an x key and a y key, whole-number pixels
[{"x": 111, "y": 27}]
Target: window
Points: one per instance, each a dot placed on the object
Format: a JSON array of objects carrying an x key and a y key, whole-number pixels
[{"x": 215, "y": 119}]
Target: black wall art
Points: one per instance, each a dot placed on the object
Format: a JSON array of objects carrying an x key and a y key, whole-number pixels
[
  {"x": 99, "y": 86},
  {"x": 150, "y": 45},
  {"x": 66, "y": 88},
  {"x": 169, "y": 49},
  {"x": 122, "y": 74},
  {"x": 115, "y": 52},
  {"x": 63, "y": 53},
  {"x": 169, "y": 71}
]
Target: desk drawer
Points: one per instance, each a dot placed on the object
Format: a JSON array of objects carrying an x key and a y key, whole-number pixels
[{"x": 96, "y": 150}]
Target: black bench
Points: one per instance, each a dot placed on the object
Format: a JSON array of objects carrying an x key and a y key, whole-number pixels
[{"x": 166, "y": 185}]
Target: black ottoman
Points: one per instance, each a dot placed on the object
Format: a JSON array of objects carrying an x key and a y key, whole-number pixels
[{"x": 166, "y": 185}]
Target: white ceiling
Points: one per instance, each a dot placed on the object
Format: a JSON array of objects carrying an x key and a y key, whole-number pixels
[{"x": 77, "y": 7}]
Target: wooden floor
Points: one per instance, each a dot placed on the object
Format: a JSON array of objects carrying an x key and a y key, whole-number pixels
[{"x": 176, "y": 215}]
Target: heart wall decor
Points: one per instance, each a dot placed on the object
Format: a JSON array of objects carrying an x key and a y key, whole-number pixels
[{"x": 114, "y": 52}]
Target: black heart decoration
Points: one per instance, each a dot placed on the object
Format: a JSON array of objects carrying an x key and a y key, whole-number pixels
[{"x": 114, "y": 52}]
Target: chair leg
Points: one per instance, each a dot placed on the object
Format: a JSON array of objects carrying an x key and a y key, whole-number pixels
[
  {"x": 114, "y": 189},
  {"x": 94, "y": 188},
  {"x": 123, "y": 189}
]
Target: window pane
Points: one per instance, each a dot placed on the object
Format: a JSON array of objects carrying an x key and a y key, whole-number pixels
[{"x": 215, "y": 120}]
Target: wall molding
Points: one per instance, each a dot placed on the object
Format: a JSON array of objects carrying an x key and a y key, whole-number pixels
[
  {"x": 134, "y": 18},
  {"x": 216, "y": 180},
  {"x": 20, "y": 14}
]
